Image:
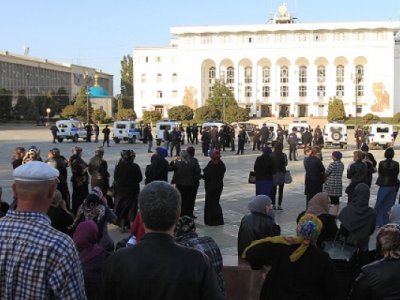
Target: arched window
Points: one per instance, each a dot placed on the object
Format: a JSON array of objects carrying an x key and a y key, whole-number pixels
[
  {"x": 340, "y": 81},
  {"x": 174, "y": 77},
  {"x": 321, "y": 73},
  {"x": 248, "y": 75},
  {"x": 284, "y": 76},
  {"x": 359, "y": 80},
  {"x": 211, "y": 75},
  {"x": 266, "y": 75},
  {"x": 230, "y": 75},
  {"x": 302, "y": 74},
  {"x": 159, "y": 77}
]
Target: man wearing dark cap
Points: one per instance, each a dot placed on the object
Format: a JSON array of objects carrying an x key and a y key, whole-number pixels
[
  {"x": 36, "y": 260},
  {"x": 157, "y": 267}
]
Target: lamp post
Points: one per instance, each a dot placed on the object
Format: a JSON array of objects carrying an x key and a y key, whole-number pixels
[
  {"x": 224, "y": 98},
  {"x": 48, "y": 110},
  {"x": 358, "y": 78},
  {"x": 87, "y": 96}
]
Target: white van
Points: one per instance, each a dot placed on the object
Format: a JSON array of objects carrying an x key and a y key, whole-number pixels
[
  {"x": 301, "y": 127},
  {"x": 212, "y": 123},
  {"x": 335, "y": 134},
  {"x": 161, "y": 125},
  {"x": 70, "y": 130},
  {"x": 126, "y": 131},
  {"x": 380, "y": 134}
]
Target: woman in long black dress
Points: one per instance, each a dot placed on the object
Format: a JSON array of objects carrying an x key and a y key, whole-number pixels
[
  {"x": 213, "y": 175},
  {"x": 79, "y": 179}
]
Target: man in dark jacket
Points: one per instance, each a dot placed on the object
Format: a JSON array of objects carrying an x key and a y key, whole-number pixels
[
  {"x": 292, "y": 140},
  {"x": 106, "y": 132},
  {"x": 157, "y": 267},
  {"x": 241, "y": 141},
  {"x": 264, "y": 133},
  {"x": 98, "y": 170},
  {"x": 205, "y": 140},
  {"x": 258, "y": 224},
  {"x": 175, "y": 141},
  {"x": 306, "y": 138}
]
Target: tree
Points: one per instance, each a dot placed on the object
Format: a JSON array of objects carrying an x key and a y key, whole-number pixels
[
  {"x": 204, "y": 113},
  {"x": 25, "y": 109},
  {"x": 236, "y": 114},
  {"x": 336, "y": 110},
  {"x": 127, "y": 81},
  {"x": 368, "y": 118},
  {"x": 5, "y": 104},
  {"x": 180, "y": 113},
  {"x": 62, "y": 99},
  {"x": 151, "y": 116},
  {"x": 124, "y": 113},
  {"x": 78, "y": 109},
  {"x": 221, "y": 95},
  {"x": 98, "y": 115}
]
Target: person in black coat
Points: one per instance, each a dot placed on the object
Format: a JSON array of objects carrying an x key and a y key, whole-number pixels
[
  {"x": 158, "y": 167},
  {"x": 258, "y": 224},
  {"x": 319, "y": 206},
  {"x": 241, "y": 141},
  {"x": 264, "y": 169},
  {"x": 205, "y": 140},
  {"x": 79, "y": 178},
  {"x": 59, "y": 216},
  {"x": 380, "y": 279},
  {"x": 299, "y": 270},
  {"x": 213, "y": 175},
  {"x": 314, "y": 174},
  {"x": 98, "y": 170},
  {"x": 357, "y": 172},
  {"x": 280, "y": 163},
  {"x": 127, "y": 176}
]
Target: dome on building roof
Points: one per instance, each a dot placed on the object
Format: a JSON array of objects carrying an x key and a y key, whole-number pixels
[{"x": 98, "y": 92}]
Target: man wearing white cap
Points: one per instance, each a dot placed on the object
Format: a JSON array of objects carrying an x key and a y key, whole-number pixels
[{"x": 37, "y": 261}]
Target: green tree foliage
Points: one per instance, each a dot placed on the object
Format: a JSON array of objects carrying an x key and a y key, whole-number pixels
[
  {"x": 127, "y": 81},
  {"x": 62, "y": 99},
  {"x": 236, "y": 114},
  {"x": 336, "y": 110},
  {"x": 151, "y": 116},
  {"x": 25, "y": 109},
  {"x": 180, "y": 113},
  {"x": 396, "y": 117},
  {"x": 370, "y": 118},
  {"x": 207, "y": 113},
  {"x": 98, "y": 115},
  {"x": 5, "y": 104},
  {"x": 217, "y": 98},
  {"x": 78, "y": 109},
  {"x": 126, "y": 114}
]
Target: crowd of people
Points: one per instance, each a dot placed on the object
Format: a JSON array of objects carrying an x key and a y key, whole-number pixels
[{"x": 160, "y": 218}]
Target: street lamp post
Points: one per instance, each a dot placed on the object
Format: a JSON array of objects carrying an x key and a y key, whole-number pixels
[
  {"x": 224, "y": 107},
  {"x": 87, "y": 96},
  {"x": 48, "y": 110}
]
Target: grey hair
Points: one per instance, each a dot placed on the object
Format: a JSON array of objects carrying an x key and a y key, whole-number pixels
[
  {"x": 159, "y": 204},
  {"x": 57, "y": 198}
]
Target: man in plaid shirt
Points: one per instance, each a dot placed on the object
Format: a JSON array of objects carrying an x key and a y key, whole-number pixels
[{"x": 36, "y": 261}]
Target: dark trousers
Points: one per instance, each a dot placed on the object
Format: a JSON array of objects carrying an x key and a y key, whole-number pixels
[
  {"x": 280, "y": 195},
  {"x": 177, "y": 147},
  {"x": 292, "y": 151},
  {"x": 240, "y": 147},
  {"x": 106, "y": 140},
  {"x": 187, "y": 205},
  {"x": 205, "y": 147},
  {"x": 232, "y": 144},
  {"x": 257, "y": 144}
]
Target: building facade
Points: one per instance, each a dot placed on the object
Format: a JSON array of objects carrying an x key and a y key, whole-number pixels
[
  {"x": 40, "y": 76},
  {"x": 280, "y": 68}
]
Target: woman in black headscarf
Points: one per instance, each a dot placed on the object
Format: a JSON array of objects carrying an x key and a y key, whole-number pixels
[{"x": 358, "y": 219}]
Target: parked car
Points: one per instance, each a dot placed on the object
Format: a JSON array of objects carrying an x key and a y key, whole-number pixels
[
  {"x": 380, "y": 134},
  {"x": 335, "y": 134},
  {"x": 161, "y": 125},
  {"x": 126, "y": 131},
  {"x": 70, "y": 130},
  {"x": 301, "y": 127}
]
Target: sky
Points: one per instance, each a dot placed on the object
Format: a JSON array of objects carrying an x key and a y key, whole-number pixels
[{"x": 99, "y": 33}]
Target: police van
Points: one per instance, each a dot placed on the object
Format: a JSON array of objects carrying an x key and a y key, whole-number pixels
[
  {"x": 70, "y": 130},
  {"x": 335, "y": 134},
  {"x": 170, "y": 124},
  {"x": 126, "y": 131},
  {"x": 380, "y": 134}
]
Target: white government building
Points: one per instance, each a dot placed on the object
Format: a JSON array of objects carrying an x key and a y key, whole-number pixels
[{"x": 280, "y": 68}]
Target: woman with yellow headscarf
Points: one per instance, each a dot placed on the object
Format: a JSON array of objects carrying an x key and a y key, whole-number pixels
[{"x": 299, "y": 270}]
